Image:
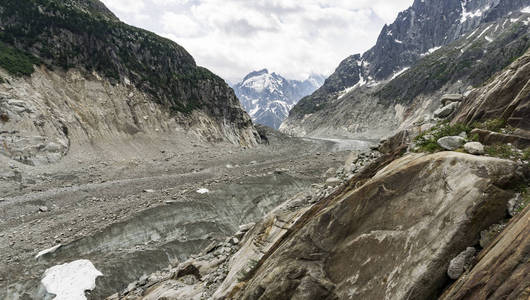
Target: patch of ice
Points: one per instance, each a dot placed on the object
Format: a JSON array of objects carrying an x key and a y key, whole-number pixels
[
  {"x": 203, "y": 191},
  {"x": 70, "y": 281},
  {"x": 46, "y": 251}
]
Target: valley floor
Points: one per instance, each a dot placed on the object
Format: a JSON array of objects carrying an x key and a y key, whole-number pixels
[{"x": 133, "y": 215}]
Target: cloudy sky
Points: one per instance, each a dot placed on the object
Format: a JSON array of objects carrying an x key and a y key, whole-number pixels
[{"x": 291, "y": 37}]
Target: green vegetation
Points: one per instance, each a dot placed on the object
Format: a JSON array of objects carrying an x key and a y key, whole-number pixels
[
  {"x": 428, "y": 140},
  {"x": 16, "y": 61},
  {"x": 526, "y": 154},
  {"x": 502, "y": 151}
]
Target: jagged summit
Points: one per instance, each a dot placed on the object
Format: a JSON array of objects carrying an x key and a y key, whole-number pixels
[{"x": 268, "y": 97}]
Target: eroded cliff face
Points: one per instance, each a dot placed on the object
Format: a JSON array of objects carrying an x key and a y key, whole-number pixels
[{"x": 52, "y": 113}]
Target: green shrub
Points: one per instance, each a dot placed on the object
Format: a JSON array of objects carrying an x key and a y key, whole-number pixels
[
  {"x": 526, "y": 154},
  {"x": 492, "y": 125},
  {"x": 16, "y": 61}
]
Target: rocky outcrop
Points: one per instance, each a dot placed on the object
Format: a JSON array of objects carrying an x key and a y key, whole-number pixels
[
  {"x": 385, "y": 239},
  {"x": 505, "y": 97},
  {"x": 502, "y": 270},
  {"x": 98, "y": 77}
]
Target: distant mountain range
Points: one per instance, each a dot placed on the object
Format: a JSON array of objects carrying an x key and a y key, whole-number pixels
[{"x": 268, "y": 97}]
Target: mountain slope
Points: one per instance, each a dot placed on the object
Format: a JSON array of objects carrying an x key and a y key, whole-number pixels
[
  {"x": 268, "y": 97},
  {"x": 85, "y": 38},
  {"x": 432, "y": 47}
]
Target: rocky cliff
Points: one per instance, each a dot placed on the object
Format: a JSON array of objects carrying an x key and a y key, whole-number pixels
[
  {"x": 432, "y": 48},
  {"x": 72, "y": 73},
  {"x": 268, "y": 97}
]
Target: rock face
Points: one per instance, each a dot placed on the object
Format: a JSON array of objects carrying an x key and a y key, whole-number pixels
[
  {"x": 506, "y": 97},
  {"x": 388, "y": 239},
  {"x": 458, "y": 265},
  {"x": 502, "y": 270},
  {"x": 100, "y": 78},
  {"x": 431, "y": 49},
  {"x": 268, "y": 97}
]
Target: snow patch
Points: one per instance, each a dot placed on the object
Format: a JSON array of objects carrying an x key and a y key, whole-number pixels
[
  {"x": 70, "y": 281},
  {"x": 46, "y": 251},
  {"x": 488, "y": 39},
  {"x": 203, "y": 191},
  {"x": 526, "y": 10},
  {"x": 399, "y": 73},
  {"x": 431, "y": 51},
  {"x": 470, "y": 15},
  {"x": 484, "y": 31},
  {"x": 398, "y": 41}
]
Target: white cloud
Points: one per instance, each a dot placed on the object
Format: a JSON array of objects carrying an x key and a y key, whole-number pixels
[{"x": 292, "y": 37}]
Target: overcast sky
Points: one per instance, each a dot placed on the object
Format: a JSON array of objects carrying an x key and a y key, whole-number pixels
[{"x": 291, "y": 37}]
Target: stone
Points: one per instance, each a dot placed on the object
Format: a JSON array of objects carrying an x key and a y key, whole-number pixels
[
  {"x": 246, "y": 227},
  {"x": 149, "y": 191},
  {"x": 474, "y": 148},
  {"x": 333, "y": 181},
  {"x": 446, "y": 111},
  {"x": 514, "y": 205},
  {"x": 43, "y": 208},
  {"x": 451, "y": 98},
  {"x": 451, "y": 142},
  {"x": 460, "y": 263}
]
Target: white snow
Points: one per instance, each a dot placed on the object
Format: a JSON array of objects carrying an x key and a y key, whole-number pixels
[
  {"x": 398, "y": 41},
  {"x": 389, "y": 33},
  {"x": 400, "y": 72},
  {"x": 484, "y": 31},
  {"x": 527, "y": 21},
  {"x": 470, "y": 15},
  {"x": 46, "y": 251},
  {"x": 472, "y": 34},
  {"x": 203, "y": 191},
  {"x": 488, "y": 39},
  {"x": 346, "y": 91},
  {"x": 526, "y": 10},
  {"x": 431, "y": 51},
  {"x": 70, "y": 281},
  {"x": 514, "y": 20}
]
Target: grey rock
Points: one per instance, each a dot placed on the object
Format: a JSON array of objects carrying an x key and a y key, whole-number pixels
[
  {"x": 474, "y": 148},
  {"x": 514, "y": 205},
  {"x": 446, "y": 111},
  {"x": 43, "y": 209},
  {"x": 460, "y": 263},
  {"x": 333, "y": 181},
  {"x": 451, "y": 98},
  {"x": 246, "y": 227},
  {"x": 451, "y": 142}
]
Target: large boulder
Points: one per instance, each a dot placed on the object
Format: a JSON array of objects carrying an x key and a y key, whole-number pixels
[
  {"x": 446, "y": 111},
  {"x": 451, "y": 142},
  {"x": 391, "y": 238},
  {"x": 451, "y": 98},
  {"x": 474, "y": 148}
]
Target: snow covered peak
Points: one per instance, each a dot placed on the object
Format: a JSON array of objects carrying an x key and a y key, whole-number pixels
[{"x": 268, "y": 97}]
